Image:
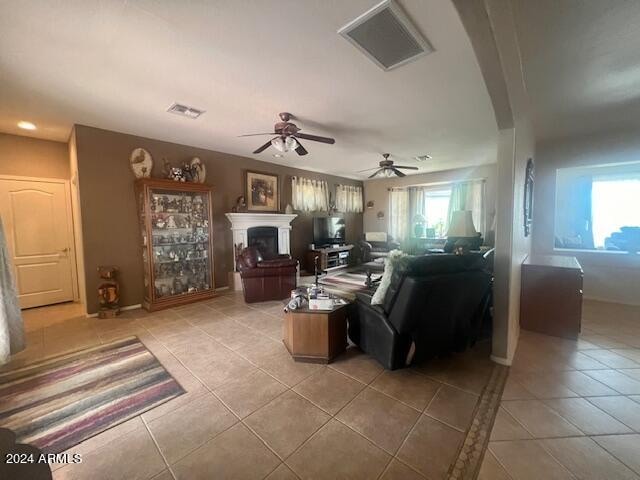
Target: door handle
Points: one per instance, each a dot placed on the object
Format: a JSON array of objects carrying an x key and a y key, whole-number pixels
[{"x": 65, "y": 250}]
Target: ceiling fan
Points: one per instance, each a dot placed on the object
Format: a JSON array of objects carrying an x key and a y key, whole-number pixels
[
  {"x": 288, "y": 137},
  {"x": 386, "y": 168}
]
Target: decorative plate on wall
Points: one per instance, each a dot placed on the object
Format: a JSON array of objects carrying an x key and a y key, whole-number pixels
[
  {"x": 141, "y": 163},
  {"x": 198, "y": 170}
]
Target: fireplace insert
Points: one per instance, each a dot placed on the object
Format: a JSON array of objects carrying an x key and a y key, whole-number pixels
[{"x": 265, "y": 239}]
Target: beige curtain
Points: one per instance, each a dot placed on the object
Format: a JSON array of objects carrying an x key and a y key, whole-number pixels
[
  {"x": 348, "y": 198},
  {"x": 398, "y": 213},
  {"x": 309, "y": 195},
  {"x": 11, "y": 326}
]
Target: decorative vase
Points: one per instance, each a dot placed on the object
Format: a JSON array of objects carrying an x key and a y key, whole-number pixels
[{"x": 288, "y": 209}]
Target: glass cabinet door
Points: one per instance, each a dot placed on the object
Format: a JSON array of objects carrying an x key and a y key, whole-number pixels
[{"x": 180, "y": 244}]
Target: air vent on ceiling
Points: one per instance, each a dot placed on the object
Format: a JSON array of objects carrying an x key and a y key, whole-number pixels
[
  {"x": 386, "y": 35},
  {"x": 423, "y": 158},
  {"x": 185, "y": 111}
]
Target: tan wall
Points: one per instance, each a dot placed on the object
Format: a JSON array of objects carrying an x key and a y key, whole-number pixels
[
  {"x": 32, "y": 157},
  {"x": 377, "y": 191},
  {"x": 109, "y": 218}
]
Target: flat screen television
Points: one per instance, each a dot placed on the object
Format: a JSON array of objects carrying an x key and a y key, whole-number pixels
[{"x": 328, "y": 231}]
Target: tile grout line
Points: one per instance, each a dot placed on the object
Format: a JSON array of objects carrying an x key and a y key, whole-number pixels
[{"x": 155, "y": 442}]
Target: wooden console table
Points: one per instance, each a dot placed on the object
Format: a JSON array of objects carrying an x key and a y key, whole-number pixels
[
  {"x": 316, "y": 336},
  {"x": 551, "y": 295},
  {"x": 331, "y": 258}
]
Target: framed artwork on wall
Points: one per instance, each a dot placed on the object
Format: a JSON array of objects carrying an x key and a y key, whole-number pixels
[
  {"x": 263, "y": 194},
  {"x": 528, "y": 197}
]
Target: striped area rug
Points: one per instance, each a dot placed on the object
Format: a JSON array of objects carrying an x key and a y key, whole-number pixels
[{"x": 60, "y": 401}]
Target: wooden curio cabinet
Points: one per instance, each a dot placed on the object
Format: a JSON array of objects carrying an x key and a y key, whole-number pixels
[{"x": 176, "y": 241}]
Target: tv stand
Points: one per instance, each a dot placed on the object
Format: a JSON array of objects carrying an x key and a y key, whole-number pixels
[{"x": 331, "y": 257}]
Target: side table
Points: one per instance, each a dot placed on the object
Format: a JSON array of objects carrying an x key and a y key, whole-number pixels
[{"x": 316, "y": 336}]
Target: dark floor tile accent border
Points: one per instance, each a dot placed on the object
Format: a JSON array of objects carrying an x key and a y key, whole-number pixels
[{"x": 471, "y": 454}]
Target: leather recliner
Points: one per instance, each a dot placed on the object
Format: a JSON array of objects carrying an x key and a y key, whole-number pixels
[
  {"x": 264, "y": 280},
  {"x": 437, "y": 302}
]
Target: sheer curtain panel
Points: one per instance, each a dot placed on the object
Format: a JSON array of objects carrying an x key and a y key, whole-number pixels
[
  {"x": 309, "y": 195},
  {"x": 469, "y": 196},
  {"x": 398, "y": 213},
  {"x": 349, "y": 198}
]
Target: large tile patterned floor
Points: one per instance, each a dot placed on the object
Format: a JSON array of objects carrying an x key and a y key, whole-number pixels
[
  {"x": 572, "y": 409},
  {"x": 252, "y": 412}
]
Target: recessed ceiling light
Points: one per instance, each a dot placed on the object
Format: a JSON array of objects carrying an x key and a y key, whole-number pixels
[
  {"x": 26, "y": 125},
  {"x": 278, "y": 155},
  {"x": 423, "y": 158}
]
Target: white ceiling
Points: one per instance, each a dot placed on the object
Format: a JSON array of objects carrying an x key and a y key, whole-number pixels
[
  {"x": 581, "y": 64},
  {"x": 119, "y": 64}
]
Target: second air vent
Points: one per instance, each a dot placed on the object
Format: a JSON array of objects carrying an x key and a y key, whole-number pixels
[
  {"x": 185, "y": 110},
  {"x": 386, "y": 35}
]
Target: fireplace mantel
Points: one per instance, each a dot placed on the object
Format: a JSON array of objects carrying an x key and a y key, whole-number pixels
[{"x": 241, "y": 222}]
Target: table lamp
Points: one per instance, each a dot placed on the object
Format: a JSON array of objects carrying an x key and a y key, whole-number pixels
[{"x": 462, "y": 234}]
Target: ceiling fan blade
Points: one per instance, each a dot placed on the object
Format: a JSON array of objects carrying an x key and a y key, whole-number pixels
[
  {"x": 257, "y": 134},
  {"x": 367, "y": 169},
  {"x": 408, "y": 168},
  {"x": 316, "y": 138},
  {"x": 300, "y": 150},
  {"x": 263, "y": 147},
  {"x": 376, "y": 173},
  {"x": 398, "y": 172}
]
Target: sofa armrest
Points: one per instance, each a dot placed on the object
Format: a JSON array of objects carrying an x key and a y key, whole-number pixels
[
  {"x": 364, "y": 297},
  {"x": 364, "y": 245},
  {"x": 373, "y": 333},
  {"x": 278, "y": 263}
]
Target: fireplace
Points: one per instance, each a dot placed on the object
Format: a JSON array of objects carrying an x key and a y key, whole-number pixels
[
  {"x": 241, "y": 223},
  {"x": 265, "y": 239}
]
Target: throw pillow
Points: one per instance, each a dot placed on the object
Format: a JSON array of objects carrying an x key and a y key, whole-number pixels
[{"x": 390, "y": 264}]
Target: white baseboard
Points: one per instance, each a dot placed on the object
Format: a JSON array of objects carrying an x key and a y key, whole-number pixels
[
  {"x": 220, "y": 289},
  {"x": 501, "y": 360},
  {"x": 122, "y": 309}
]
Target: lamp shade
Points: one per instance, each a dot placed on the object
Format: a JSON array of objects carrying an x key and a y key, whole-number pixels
[{"x": 462, "y": 224}]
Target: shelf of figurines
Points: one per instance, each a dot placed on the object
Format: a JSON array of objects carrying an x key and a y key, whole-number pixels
[
  {"x": 180, "y": 285},
  {"x": 175, "y": 222}
]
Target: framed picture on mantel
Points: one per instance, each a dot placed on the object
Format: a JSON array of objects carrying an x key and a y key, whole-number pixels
[{"x": 263, "y": 194}]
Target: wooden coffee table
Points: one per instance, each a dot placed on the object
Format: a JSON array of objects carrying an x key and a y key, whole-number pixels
[{"x": 316, "y": 336}]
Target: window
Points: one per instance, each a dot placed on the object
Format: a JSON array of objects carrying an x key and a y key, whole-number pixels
[
  {"x": 615, "y": 204},
  {"x": 598, "y": 207},
  {"x": 424, "y": 211},
  {"x": 436, "y": 212}
]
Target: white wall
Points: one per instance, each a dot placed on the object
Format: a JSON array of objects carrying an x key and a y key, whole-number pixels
[
  {"x": 608, "y": 276},
  {"x": 376, "y": 190},
  {"x": 516, "y": 145}
]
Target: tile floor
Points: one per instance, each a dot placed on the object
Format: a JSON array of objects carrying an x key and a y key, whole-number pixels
[
  {"x": 251, "y": 412},
  {"x": 572, "y": 409}
]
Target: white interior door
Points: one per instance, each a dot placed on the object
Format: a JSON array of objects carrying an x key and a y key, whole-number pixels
[{"x": 37, "y": 219}]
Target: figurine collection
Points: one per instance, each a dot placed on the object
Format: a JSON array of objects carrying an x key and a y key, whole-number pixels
[{"x": 180, "y": 244}]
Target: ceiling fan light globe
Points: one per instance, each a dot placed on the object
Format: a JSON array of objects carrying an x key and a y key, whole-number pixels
[
  {"x": 279, "y": 145},
  {"x": 290, "y": 144}
]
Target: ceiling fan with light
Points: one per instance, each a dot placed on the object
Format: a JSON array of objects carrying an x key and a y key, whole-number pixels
[
  {"x": 288, "y": 137},
  {"x": 386, "y": 168}
]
